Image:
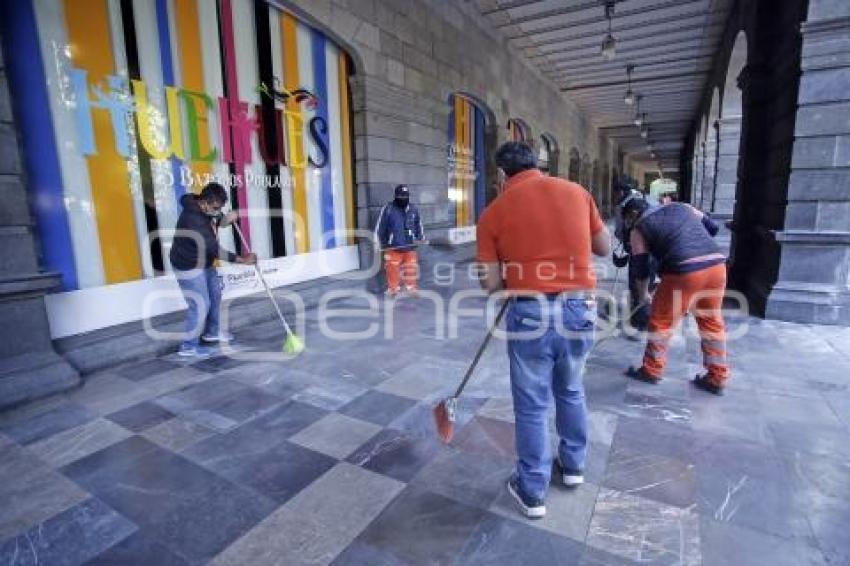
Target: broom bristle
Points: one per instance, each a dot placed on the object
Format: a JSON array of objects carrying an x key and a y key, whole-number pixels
[
  {"x": 443, "y": 422},
  {"x": 293, "y": 345}
]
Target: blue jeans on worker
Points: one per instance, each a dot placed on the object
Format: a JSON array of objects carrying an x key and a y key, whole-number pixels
[
  {"x": 548, "y": 345},
  {"x": 202, "y": 291}
]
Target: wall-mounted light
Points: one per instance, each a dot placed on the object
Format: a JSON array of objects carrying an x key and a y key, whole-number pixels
[
  {"x": 629, "y": 99},
  {"x": 609, "y": 44}
]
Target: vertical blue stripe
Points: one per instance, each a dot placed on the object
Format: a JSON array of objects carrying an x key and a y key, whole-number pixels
[
  {"x": 24, "y": 67},
  {"x": 480, "y": 197},
  {"x": 320, "y": 83},
  {"x": 168, "y": 80},
  {"x": 451, "y": 130}
]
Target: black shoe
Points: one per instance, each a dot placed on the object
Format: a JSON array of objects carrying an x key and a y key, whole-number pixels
[
  {"x": 640, "y": 375},
  {"x": 569, "y": 478},
  {"x": 530, "y": 507},
  {"x": 704, "y": 383}
]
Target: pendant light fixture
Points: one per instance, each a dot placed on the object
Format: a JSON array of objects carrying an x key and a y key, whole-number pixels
[
  {"x": 629, "y": 99},
  {"x": 609, "y": 44},
  {"x": 644, "y": 133},
  {"x": 638, "y": 118}
]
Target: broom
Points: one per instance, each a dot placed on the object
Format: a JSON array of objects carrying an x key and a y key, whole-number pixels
[
  {"x": 292, "y": 344},
  {"x": 445, "y": 413}
]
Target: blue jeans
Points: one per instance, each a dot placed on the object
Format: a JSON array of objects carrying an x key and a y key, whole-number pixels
[
  {"x": 549, "y": 364},
  {"x": 202, "y": 291}
]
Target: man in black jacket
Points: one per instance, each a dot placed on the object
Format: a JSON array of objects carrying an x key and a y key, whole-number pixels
[{"x": 194, "y": 253}]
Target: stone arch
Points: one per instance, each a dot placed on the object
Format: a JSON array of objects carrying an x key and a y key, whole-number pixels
[
  {"x": 585, "y": 171},
  {"x": 471, "y": 145},
  {"x": 729, "y": 132},
  {"x": 549, "y": 150},
  {"x": 519, "y": 130},
  {"x": 596, "y": 181},
  {"x": 574, "y": 169}
]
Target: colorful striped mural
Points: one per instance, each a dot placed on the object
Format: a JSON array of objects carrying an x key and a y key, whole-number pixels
[
  {"x": 466, "y": 155},
  {"x": 136, "y": 102}
]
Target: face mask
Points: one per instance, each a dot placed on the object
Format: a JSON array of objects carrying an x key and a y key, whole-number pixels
[{"x": 402, "y": 202}]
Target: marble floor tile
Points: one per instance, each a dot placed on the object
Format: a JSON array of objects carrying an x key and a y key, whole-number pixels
[
  {"x": 140, "y": 417},
  {"x": 178, "y": 433},
  {"x": 474, "y": 479},
  {"x": 30, "y": 491},
  {"x": 425, "y": 379},
  {"x": 63, "y": 415},
  {"x": 330, "y": 394},
  {"x": 71, "y": 537},
  {"x": 70, "y": 445},
  {"x": 498, "y": 408},
  {"x": 813, "y": 440},
  {"x": 138, "y": 549},
  {"x": 653, "y": 406},
  {"x": 670, "y": 439},
  {"x": 419, "y": 419},
  {"x": 397, "y": 454},
  {"x": 643, "y": 530},
  {"x": 782, "y": 409},
  {"x": 359, "y": 553},
  {"x": 336, "y": 435},
  {"x": 140, "y": 371},
  {"x": 192, "y": 511},
  {"x": 106, "y": 393},
  {"x": 421, "y": 527},
  {"x": 724, "y": 544},
  {"x": 829, "y": 518},
  {"x": 377, "y": 407},
  {"x": 568, "y": 511},
  {"x": 501, "y": 541},
  {"x": 319, "y": 522},
  {"x": 595, "y": 557},
  {"x": 651, "y": 476},
  {"x": 487, "y": 436}
]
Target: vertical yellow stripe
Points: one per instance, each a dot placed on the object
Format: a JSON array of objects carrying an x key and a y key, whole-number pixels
[
  {"x": 295, "y": 142},
  {"x": 458, "y": 185},
  {"x": 192, "y": 69},
  {"x": 345, "y": 127},
  {"x": 88, "y": 36},
  {"x": 470, "y": 164},
  {"x": 465, "y": 104}
]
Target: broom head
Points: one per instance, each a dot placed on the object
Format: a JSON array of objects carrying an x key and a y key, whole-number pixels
[
  {"x": 293, "y": 345},
  {"x": 445, "y": 414}
]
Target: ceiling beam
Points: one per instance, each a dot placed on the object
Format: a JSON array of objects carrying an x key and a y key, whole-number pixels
[
  {"x": 505, "y": 6},
  {"x": 662, "y": 47},
  {"x": 694, "y": 56},
  {"x": 634, "y": 81}
]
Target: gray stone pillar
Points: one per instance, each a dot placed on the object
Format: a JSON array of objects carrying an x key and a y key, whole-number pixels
[
  {"x": 707, "y": 188},
  {"x": 726, "y": 182},
  {"x": 814, "y": 280},
  {"x": 29, "y": 366}
]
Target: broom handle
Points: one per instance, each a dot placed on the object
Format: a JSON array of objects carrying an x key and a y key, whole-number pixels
[
  {"x": 263, "y": 279},
  {"x": 481, "y": 349}
]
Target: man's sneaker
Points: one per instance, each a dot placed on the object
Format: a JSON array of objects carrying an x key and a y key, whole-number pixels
[
  {"x": 531, "y": 508},
  {"x": 569, "y": 478},
  {"x": 640, "y": 375},
  {"x": 221, "y": 337},
  {"x": 195, "y": 352},
  {"x": 706, "y": 384}
]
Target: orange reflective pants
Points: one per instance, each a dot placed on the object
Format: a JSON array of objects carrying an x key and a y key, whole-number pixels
[
  {"x": 401, "y": 265},
  {"x": 700, "y": 293}
]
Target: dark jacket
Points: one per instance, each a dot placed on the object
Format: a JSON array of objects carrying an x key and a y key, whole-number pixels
[
  {"x": 674, "y": 234},
  {"x": 399, "y": 228},
  {"x": 184, "y": 250}
]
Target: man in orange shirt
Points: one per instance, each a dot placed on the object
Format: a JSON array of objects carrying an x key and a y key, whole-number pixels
[{"x": 535, "y": 240}]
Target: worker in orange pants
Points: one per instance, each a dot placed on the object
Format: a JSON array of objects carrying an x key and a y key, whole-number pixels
[
  {"x": 693, "y": 280},
  {"x": 402, "y": 267}
]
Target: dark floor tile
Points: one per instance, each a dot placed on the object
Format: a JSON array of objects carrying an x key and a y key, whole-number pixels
[
  {"x": 71, "y": 537},
  {"x": 419, "y": 419},
  {"x": 474, "y": 479},
  {"x": 657, "y": 407},
  {"x": 782, "y": 409},
  {"x": 422, "y": 527},
  {"x": 218, "y": 363},
  {"x": 359, "y": 553},
  {"x": 141, "y": 417},
  {"x": 487, "y": 436},
  {"x": 377, "y": 407},
  {"x": 812, "y": 440},
  {"x": 276, "y": 469},
  {"x": 189, "y": 509},
  {"x": 673, "y": 440},
  {"x": 735, "y": 455},
  {"x": 143, "y": 370},
  {"x": 829, "y": 518},
  {"x": 234, "y": 402},
  {"x": 595, "y": 557},
  {"x": 139, "y": 549},
  {"x": 277, "y": 424},
  {"x": 64, "y": 416},
  {"x": 724, "y": 544},
  {"x": 502, "y": 541},
  {"x": 396, "y": 454},
  {"x": 652, "y": 476}
]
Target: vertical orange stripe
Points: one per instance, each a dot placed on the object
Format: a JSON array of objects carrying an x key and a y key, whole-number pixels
[
  {"x": 345, "y": 126},
  {"x": 192, "y": 70},
  {"x": 295, "y": 146},
  {"x": 458, "y": 185},
  {"x": 88, "y": 35}
]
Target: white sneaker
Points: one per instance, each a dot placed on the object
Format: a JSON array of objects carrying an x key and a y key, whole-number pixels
[
  {"x": 222, "y": 337},
  {"x": 531, "y": 508},
  {"x": 195, "y": 352},
  {"x": 569, "y": 478}
]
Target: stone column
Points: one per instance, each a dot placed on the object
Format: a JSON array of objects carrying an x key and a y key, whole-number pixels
[
  {"x": 726, "y": 182},
  {"x": 814, "y": 272},
  {"x": 29, "y": 366},
  {"x": 707, "y": 188}
]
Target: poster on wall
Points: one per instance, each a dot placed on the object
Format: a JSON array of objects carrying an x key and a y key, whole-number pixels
[
  {"x": 134, "y": 103},
  {"x": 466, "y": 179}
]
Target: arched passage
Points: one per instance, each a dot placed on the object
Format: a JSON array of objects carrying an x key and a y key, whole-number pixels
[
  {"x": 469, "y": 147},
  {"x": 729, "y": 132},
  {"x": 574, "y": 170},
  {"x": 548, "y": 155},
  {"x": 519, "y": 130},
  {"x": 585, "y": 172},
  {"x": 710, "y": 152}
]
